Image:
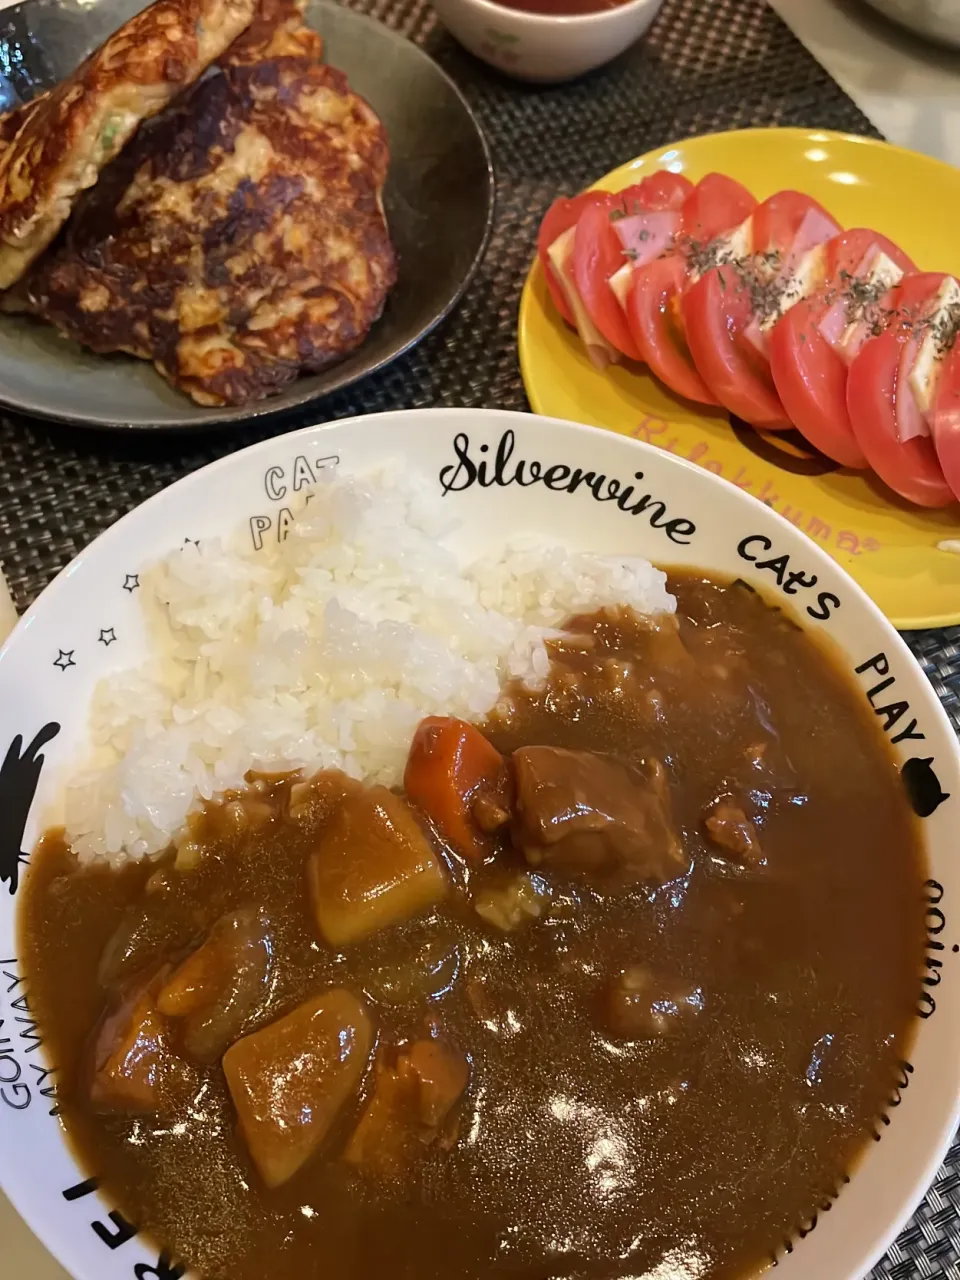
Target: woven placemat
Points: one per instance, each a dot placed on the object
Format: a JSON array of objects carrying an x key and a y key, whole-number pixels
[{"x": 705, "y": 65}]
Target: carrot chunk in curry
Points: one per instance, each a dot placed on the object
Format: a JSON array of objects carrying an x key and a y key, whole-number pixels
[
  {"x": 289, "y": 1080},
  {"x": 374, "y": 867},
  {"x": 451, "y": 768}
]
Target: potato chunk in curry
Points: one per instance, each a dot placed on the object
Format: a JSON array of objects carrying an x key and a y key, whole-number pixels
[
  {"x": 289, "y": 1080},
  {"x": 374, "y": 867}
]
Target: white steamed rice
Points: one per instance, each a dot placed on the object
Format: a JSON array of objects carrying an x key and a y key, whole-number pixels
[{"x": 322, "y": 652}]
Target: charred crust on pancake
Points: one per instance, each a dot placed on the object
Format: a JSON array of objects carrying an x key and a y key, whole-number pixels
[{"x": 55, "y": 146}]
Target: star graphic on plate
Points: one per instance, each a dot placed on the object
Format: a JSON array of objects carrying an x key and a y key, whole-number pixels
[
  {"x": 131, "y": 582},
  {"x": 107, "y": 637},
  {"x": 191, "y": 542},
  {"x": 64, "y": 659}
]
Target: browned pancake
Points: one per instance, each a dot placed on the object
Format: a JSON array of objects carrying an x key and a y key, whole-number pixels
[
  {"x": 238, "y": 240},
  {"x": 277, "y": 31},
  {"x": 56, "y": 145}
]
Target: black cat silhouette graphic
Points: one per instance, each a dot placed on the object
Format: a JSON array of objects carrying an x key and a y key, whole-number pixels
[
  {"x": 923, "y": 786},
  {"x": 19, "y": 776}
]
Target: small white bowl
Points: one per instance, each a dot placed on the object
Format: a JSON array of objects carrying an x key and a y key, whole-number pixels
[{"x": 541, "y": 47}]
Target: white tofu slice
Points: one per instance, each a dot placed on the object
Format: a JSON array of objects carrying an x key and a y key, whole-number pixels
[
  {"x": 598, "y": 348},
  {"x": 806, "y": 278},
  {"x": 732, "y": 246},
  {"x": 619, "y": 282},
  {"x": 932, "y": 352}
]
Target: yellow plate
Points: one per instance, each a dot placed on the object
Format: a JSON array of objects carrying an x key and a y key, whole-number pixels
[{"x": 890, "y": 547}]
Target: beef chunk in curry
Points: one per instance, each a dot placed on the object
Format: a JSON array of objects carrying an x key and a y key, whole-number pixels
[
  {"x": 577, "y": 811},
  {"x": 613, "y": 986},
  {"x": 729, "y": 828},
  {"x": 415, "y": 1091}
]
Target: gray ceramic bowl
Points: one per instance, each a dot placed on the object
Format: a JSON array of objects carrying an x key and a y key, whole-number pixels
[{"x": 439, "y": 201}]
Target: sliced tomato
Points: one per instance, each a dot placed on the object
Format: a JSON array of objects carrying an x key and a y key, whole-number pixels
[
  {"x": 855, "y": 254},
  {"x": 717, "y": 204},
  {"x": 597, "y": 255},
  {"x": 909, "y": 305},
  {"x": 811, "y": 381},
  {"x": 662, "y": 190},
  {"x": 946, "y": 420},
  {"x": 653, "y": 313},
  {"x": 560, "y": 217},
  {"x": 791, "y": 222},
  {"x": 720, "y": 309},
  {"x": 910, "y": 468},
  {"x": 809, "y": 374},
  {"x": 716, "y": 311},
  {"x": 914, "y": 294},
  {"x": 610, "y": 236},
  {"x": 850, "y": 252}
]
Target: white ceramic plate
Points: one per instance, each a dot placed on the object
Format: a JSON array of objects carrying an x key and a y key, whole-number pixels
[{"x": 87, "y": 624}]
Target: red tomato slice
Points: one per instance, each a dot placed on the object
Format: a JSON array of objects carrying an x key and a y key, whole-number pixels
[
  {"x": 908, "y": 306},
  {"x": 560, "y": 217},
  {"x": 811, "y": 381},
  {"x": 597, "y": 254},
  {"x": 913, "y": 298},
  {"x": 810, "y": 376},
  {"x": 659, "y": 191},
  {"x": 842, "y": 256},
  {"x": 847, "y": 251},
  {"x": 598, "y": 249},
  {"x": 779, "y": 219},
  {"x": 717, "y": 204},
  {"x": 719, "y": 310},
  {"x": 941, "y": 419},
  {"x": 662, "y": 190},
  {"x": 653, "y": 313},
  {"x": 911, "y": 468},
  {"x": 716, "y": 310},
  {"x": 946, "y": 420}
]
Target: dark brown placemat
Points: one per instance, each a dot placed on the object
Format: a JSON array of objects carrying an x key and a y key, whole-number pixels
[{"x": 705, "y": 65}]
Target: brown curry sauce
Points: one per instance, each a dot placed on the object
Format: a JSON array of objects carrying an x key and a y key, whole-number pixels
[{"x": 578, "y": 1152}]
